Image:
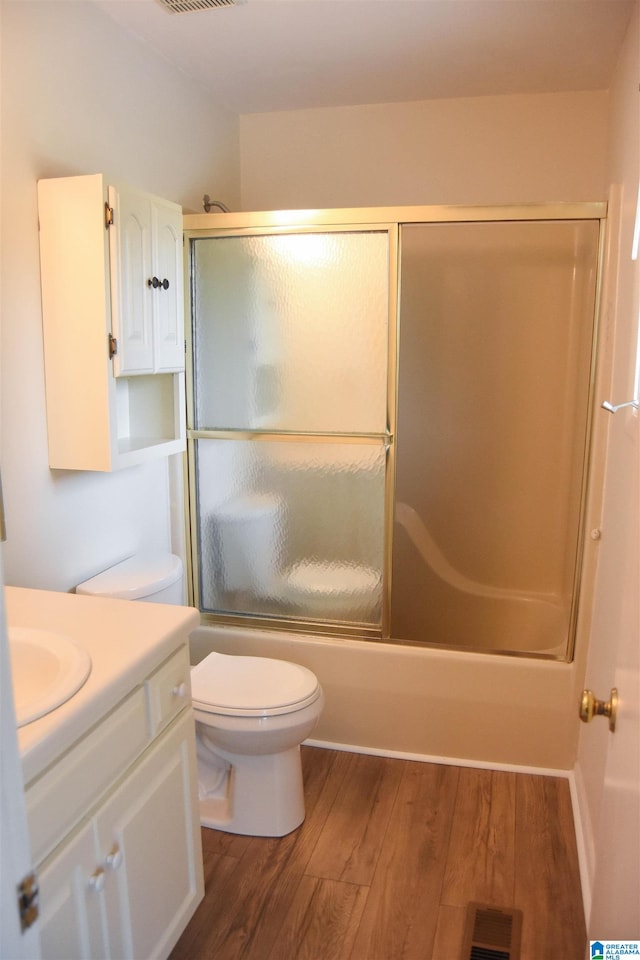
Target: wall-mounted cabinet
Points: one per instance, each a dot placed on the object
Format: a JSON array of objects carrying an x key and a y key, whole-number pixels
[{"x": 112, "y": 301}]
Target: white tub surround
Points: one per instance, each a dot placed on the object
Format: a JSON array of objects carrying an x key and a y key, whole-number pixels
[{"x": 110, "y": 772}]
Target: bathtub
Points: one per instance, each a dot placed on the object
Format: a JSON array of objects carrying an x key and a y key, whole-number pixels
[{"x": 426, "y": 703}]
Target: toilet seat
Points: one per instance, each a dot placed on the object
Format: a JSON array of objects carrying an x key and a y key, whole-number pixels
[{"x": 251, "y": 686}]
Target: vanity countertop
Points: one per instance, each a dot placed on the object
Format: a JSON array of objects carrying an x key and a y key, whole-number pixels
[{"x": 126, "y": 642}]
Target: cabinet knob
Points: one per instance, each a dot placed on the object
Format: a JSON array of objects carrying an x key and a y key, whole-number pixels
[
  {"x": 154, "y": 282},
  {"x": 165, "y": 284},
  {"x": 180, "y": 690},
  {"x": 114, "y": 858},
  {"x": 96, "y": 880}
]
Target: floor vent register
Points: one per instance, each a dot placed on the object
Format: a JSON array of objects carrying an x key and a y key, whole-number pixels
[{"x": 491, "y": 933}]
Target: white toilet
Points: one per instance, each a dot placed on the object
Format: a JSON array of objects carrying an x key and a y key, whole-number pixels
[
  {"x": 152, "y": 577},
  {"x": 250, "y": 533},
  {"x": 330, "y": 590},
  {"x": 252, "y": 714}
]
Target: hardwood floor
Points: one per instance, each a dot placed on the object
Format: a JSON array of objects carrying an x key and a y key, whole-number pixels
[{"x": 389, "y": 855}]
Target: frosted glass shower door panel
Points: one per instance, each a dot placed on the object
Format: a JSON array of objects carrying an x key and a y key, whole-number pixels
[
  {"x": 291, "y": 529},
  {"x": 290, "y": 332},
  {"x": 496, "y": 325}
]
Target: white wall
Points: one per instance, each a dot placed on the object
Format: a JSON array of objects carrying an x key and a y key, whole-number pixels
[
  {"x": 79, "y": 96},
  {"x": 490, "y": 150}
]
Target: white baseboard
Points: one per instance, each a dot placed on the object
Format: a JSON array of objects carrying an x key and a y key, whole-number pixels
[
  {"x": 585, "y": 840},
  {"x": 427, "y": 758}
]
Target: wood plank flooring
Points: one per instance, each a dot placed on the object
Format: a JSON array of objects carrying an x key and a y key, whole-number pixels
[{"x": 389, "y": 855}]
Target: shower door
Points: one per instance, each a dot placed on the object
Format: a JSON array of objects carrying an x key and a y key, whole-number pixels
[
  {"x": 389, "y": 422},
  {"x": 288, "y": 422},
  {"x": 496, "y": 330}
]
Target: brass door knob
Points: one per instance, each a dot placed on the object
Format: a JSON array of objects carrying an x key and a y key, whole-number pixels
[{"x": 590, "y": 707}]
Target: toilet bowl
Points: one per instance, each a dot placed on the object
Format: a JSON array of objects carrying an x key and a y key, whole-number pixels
[
  {"x": 249, "y": 537},
  {"x": 333, "y": 591},
  {"x": 252, "y": 713}
]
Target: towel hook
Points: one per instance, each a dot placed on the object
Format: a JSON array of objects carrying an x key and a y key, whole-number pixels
[{"x": 614, "y": 407}]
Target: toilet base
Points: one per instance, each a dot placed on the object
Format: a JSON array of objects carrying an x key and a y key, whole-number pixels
[{"x": 261, "y": 796}]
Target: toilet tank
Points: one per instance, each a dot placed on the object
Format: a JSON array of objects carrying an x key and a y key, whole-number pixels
[
  {"x": 152, "y": 577},
  {"x": 248, "y": 534}
]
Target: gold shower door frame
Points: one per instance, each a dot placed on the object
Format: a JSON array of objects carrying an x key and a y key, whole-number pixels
[{"x": 381, "y": 219}]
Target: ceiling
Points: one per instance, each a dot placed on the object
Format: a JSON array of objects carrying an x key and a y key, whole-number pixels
[{"x": 265, "y": 55}]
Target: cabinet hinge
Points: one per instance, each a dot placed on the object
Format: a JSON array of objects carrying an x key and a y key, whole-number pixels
[
  {"x": 28, "y": 901},
  {"x": 113, "y": 346},
  {"x": 108, "y": 216}
]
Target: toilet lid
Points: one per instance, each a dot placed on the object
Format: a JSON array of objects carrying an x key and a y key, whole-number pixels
[
  {"x": 251, "y": 686},
  {"x": 137, "y": 577}
]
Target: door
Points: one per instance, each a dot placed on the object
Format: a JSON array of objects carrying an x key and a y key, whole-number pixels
[
  {"x": 132, "y": 296},
  {"x": 288, "y": 426},
  {"x": 146, "y": 283},
  {"x": 15, "y": 863},
  {"x": 494, "y": 362},
  {"x": 72, "y": 919},
  {"x": 167, "y": 300},
  {"x": 614, "y": 657},
  {"x": 145, "y": 838}
]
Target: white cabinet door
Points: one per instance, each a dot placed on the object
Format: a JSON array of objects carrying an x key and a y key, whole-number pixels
[
  {"x": 15, "y": 860},
  {"x": 168, "y": 301},
  {"x": 72, "y": 908},
  {"x": 146, "y": 284},
  {"x": 131, "y": 273},
  {"x": 150, "y": 830}
]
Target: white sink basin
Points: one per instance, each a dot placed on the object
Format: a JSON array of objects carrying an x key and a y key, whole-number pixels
[{"x": 47, "y": 669}]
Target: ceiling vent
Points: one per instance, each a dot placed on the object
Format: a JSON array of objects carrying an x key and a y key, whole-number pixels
[{"x": 188, "y": 6}]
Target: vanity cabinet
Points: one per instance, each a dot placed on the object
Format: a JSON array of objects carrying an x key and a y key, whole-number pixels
[
  {"x": 126, "y": 878},
  {"x": 113, "y": 328}
]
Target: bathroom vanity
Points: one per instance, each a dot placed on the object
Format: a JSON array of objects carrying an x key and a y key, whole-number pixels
[{"x": 110, "y": 780}]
